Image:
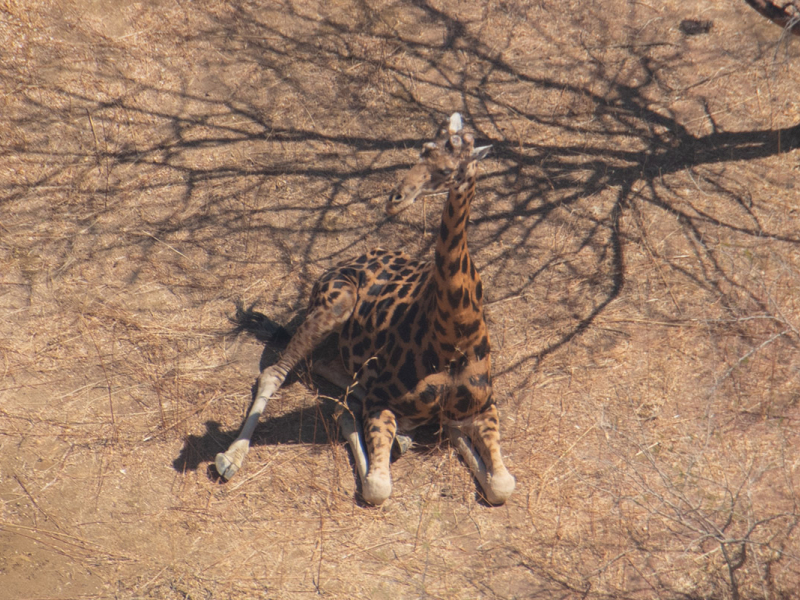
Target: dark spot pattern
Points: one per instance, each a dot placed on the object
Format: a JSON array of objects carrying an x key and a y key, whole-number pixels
[
  {"x": 465, "y": 400},
  {"x": 469, "y": 329},
  {"x": 430, "y": 359},
  {"x": 480, "y": 381},
  {"x": 481, "y": 349},
  {"x": 407, "y": 373},
  {"x": 439, "y": 328},
  {"x": 455, "y": 240},
  {"x": 455, "y": 297},
  {"x": 430, "y": 394}
]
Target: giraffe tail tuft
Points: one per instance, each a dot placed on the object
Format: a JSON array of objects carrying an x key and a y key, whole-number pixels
[{"x": 258, "y": 324}]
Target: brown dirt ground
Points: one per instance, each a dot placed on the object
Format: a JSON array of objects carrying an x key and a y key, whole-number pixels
[{"x": 636, "y": 227}]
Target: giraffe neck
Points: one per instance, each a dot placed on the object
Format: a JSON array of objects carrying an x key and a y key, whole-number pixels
[{"x": 459, "y": 291}]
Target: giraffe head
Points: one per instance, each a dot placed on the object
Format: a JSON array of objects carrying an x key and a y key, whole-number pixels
[{"x": 438, "y": 165}]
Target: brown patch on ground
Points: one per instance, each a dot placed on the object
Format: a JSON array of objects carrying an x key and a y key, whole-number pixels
[{"x": 636, "y": 229}]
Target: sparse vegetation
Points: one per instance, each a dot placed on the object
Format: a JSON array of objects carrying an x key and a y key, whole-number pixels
[{"x": 636, "y": 230}]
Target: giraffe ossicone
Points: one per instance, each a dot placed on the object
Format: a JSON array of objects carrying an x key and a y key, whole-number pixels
[{"x": 413, "y": 339}]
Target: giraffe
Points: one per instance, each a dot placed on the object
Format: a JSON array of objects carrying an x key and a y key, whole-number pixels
[{"x": 412, "y": 334}]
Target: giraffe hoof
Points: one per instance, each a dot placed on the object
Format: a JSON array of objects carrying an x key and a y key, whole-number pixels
[
  {"x": 225, "y": 466},
  {"x": 499, "y": 488},
  {"x": 402, "y": 443},
  {"x": 376, "y": 490}
]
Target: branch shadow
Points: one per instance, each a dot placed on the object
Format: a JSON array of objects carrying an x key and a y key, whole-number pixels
[
  {"x": 197, "y": 212},
  {"x": 247, "y": 158}
]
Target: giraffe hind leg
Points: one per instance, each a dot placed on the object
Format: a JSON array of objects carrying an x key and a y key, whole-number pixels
[{"x": 322, "y": 320}]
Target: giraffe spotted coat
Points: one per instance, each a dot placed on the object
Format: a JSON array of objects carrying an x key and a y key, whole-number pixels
[{"x": 412, "y": 333}]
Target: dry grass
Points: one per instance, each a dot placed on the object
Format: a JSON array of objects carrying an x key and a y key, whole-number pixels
[{"x": 637, "y": 229}]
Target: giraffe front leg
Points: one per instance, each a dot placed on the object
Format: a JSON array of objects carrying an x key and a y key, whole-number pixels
[
  {"x": 319, "y": 323},
  {"x": 380, "y": 428},
  {"x": 486, "y": 463}
]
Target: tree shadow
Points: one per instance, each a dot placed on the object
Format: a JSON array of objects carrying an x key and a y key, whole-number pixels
[
  {"x": 248, "y": 164},
  {"x": 218, "y": 117},
  {"x": 198, "y": 212}
]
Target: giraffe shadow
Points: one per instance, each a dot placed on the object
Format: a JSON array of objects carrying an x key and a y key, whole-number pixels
[
  {"x": 313, "y": 426},
  {"x": 306, "y": 425}
]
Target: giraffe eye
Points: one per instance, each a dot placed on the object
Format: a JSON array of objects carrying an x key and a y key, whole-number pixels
[{"x": 445, "y": 172}]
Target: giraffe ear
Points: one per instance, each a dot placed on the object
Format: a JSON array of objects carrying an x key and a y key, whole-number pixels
[{"x": 480, "y": 152}]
